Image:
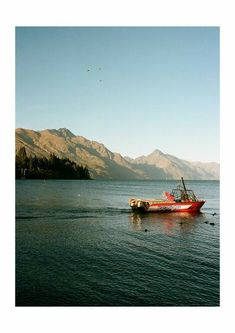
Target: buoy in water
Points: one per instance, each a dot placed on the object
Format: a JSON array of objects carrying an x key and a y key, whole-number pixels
[{"x": 145, "y": 230}]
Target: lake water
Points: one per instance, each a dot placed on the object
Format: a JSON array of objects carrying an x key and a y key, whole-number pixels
[{"x": 79, "y": 244}]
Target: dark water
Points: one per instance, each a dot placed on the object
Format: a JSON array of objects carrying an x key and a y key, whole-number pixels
[{"x": 78, "y": 243}]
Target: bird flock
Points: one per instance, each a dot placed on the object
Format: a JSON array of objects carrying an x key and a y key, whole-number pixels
[{"x": 99, "y": 69}]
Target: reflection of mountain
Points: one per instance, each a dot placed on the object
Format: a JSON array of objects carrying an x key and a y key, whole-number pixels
[{"x": 104, "y": 164}]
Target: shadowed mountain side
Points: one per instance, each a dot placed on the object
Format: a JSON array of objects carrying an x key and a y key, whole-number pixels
[
  {"x": 206, "y": 170},
  {"x": 116, "y": 171},
  {"x": 104, "y": 164},
  {"x": 152, "y": 172}
]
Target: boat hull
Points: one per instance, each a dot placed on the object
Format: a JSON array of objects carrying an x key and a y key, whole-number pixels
[{"x": 162, "y": 207}]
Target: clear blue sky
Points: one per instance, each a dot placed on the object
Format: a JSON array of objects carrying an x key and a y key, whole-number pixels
[{"x": 159, "y": 87}]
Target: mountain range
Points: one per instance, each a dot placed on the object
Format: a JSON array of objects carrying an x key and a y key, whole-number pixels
[{"x": 104, "y": 164}]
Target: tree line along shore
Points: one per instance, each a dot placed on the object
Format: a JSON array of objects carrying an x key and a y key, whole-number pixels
[{"x": 33, "y": 167}]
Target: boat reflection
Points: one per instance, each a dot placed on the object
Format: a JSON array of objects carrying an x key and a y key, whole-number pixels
[{"x": 169, "y": 223}]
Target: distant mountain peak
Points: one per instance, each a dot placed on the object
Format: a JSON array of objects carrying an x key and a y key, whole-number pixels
[
  {"x": 66, "y": 132},
  {"x": 157, "y": 152}
]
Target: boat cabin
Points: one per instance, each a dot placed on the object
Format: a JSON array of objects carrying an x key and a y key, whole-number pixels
[{"x": 180, "y": 194}]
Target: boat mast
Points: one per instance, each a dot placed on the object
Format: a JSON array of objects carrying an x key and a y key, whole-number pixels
[{"x": 185, "y": 191}]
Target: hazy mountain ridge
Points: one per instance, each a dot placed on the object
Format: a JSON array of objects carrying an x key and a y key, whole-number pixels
[
  {"x": 173, "y": 166},
  {"x": 104, "y": 164}
]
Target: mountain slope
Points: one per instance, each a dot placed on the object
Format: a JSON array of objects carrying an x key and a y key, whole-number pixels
[
  {"x": 104, "y": 164},
  {"x": 174, "y": 167}
]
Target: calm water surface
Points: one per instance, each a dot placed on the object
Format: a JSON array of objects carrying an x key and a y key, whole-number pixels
[{"x": 79, "y": 244}]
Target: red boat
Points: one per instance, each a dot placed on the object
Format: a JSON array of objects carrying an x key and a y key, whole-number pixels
[{"x": 179, "y": 200}]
